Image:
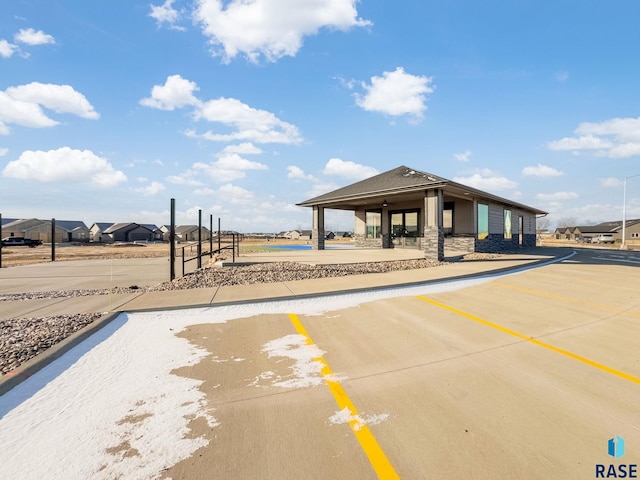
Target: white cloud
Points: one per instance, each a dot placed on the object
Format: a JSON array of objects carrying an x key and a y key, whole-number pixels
[
  {"x": 246, "y": 148},
  {"x": 22, "y": 105},
  {"x": 250, "y": 124},
  {"x": 610, "y": 182},
  {"x": 176, "y": 92},
  {"x": 297, "y": 173},
  {"x": 64, "y": 165},
  {"x": 247, "y": 124},
  {"x": 59, "y": 98},
  {"x": 228, "y": 167},
  {"x": 463, "y": 157},
  {"x": 30, "y": 36},
  {"x": 396, "y": 93},
  {"x": 615, "y": 138},
  {"x": 26, "y": 114},
  {"x": 166, "y": 14},
  {"x": 235, "y": 195},
  {"x": 485, "y": 179},
  {"x": 150, "y": 190},
  {"x": 270, "y": 28},
  {"x": 541, "y": 171},
  {"x": 7, "y": 49},
  {"x": 3, "y": 151},
  {"x": 585, "y": 142},
  {"x": 557, "y": 196},
  {"x": 348, "y": 169}
]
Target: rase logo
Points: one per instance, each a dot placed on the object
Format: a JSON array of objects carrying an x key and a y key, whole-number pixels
[{"x": 615, "y": 448}]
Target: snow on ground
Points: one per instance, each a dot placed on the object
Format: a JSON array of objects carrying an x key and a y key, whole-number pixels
[{"x": 110, "y": 407}]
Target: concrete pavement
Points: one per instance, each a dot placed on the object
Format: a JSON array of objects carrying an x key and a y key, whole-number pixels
[{"x": 107, "y": 274}]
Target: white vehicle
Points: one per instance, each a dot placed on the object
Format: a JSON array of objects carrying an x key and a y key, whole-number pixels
[{"x": 603, "y": 238}]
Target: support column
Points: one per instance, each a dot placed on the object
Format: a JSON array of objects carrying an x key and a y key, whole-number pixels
[
  {"x": 317, "y": 228},
  {"x": 385, "y": 226},
  {"x": 433, "y": 230}
]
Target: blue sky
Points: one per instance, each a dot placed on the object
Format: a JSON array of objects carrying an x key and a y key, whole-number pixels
[{"x": 244, "y": 108}]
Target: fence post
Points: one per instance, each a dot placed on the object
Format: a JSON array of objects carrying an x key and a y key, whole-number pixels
[
  {"x": 219, "y": 247},
  {"x": 0, "y": 239},
  {"x": 172, "y": 241},
  {"x": 233, "y": 246},
  {"x": 210, "y": 236},
  {"x": 199, "y": 250},
  {"x": 183, "y": 261},
  {"x": 53, "y": 239}
]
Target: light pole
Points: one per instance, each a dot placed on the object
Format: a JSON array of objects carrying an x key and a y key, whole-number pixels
[{"x": 623, "y": 246}]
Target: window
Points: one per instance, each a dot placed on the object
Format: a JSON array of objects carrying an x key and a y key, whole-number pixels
[
  {"x": 507, "y": 224},
  {"x": 635, "y": 235},
  {"x": 373, "y": 223},
  {"x": 483, "y": 221},
  {"x": 447, "y": 219},
  {"x": 404, "y": 223}
]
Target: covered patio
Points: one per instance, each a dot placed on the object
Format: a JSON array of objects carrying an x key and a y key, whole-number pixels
[{"x": 407, "y": 208}]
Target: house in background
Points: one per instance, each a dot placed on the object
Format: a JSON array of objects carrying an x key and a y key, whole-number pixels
[
  {"x": 157, "y": 233},
  {"x": 97, "y": 229},
  {"x": 290, "y": 235},
  {"x": 35, "y": 229},
  {"x": 408, "y": 208},
  {"x": 563, "y": 233},
  {"x": 582, "y": 232},
  {"x": 189, "y": 233},
  {"x": 127, "y": 232},
  {"x": 8, "y": 220}
]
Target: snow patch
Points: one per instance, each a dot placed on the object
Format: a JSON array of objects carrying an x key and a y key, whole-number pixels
[
  {"x": 307, "y": 366},
  {"x": 346, "y": 416}
]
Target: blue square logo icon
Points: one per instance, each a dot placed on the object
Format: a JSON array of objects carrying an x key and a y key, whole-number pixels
[{"x": 616, "y": 447}]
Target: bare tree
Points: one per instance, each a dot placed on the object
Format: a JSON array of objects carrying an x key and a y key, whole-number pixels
[
  {"x": 566, "y": 222},
  {"x": 542, "y": 224}
]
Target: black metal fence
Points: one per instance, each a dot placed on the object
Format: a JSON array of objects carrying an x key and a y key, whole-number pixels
[{"x": 224, "y": 243}]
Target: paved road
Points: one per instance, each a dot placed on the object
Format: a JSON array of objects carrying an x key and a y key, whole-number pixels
[
  {"x": 85, "y": 274},
  {"x": 526, "y": 376}
]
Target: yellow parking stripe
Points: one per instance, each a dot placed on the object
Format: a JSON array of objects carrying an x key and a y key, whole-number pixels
[
  {"x": 566, "y": 299},
  {"x": 526, "y": 338},
  {"x": 376, "y": 456}
]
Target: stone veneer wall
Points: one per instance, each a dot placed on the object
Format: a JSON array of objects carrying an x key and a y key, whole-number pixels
[
  {"x": 461, "y": 243},
  {"x": 496, "y": 243},
  {"x": 362, "y": 242},
  {"x": 317, "y": 239},
  {"x": 433, "y": 243}
]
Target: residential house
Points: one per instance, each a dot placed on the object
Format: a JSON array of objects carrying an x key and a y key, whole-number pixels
[
  {"x": 97, "y": 229},
  {"x": 127, "y": 232},
  {"x": 189, "y": 233},
  {"x": 33, "y": 228}
]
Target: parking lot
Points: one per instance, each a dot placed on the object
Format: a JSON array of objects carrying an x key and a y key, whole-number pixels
[{"x": 525, "y": 375}]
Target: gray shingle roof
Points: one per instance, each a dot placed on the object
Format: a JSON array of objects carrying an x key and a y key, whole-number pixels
[{"x": 398, "y": 181}]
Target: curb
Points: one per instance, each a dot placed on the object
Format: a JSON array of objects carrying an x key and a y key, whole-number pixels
[{"x": 37, "y": 363}]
